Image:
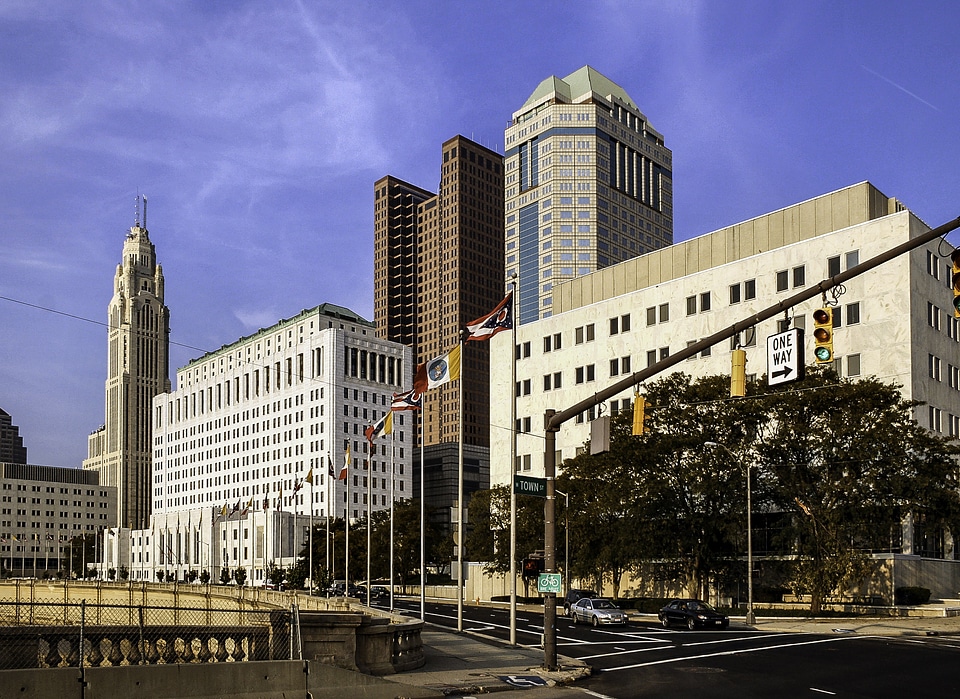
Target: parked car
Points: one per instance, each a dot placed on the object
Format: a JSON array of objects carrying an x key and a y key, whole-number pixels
[
  {"x": 597, "y": 611},
  {"x": 573, "y": 596},
  {"x": 695, "y": 613}
]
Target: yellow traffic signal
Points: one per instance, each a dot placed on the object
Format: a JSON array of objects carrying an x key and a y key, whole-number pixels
[
  {"x": 955, "y": 282},
  {"x": 639, "y": 414},
  {"x": 823, "y": 335},
  {"x": 738, "y": 373}
]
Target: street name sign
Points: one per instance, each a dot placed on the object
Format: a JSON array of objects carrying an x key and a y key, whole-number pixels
[
  {"x": 549, "y": 582},
  {"x": 527, "y": 485},
  {"x": 785, "y": 357}
]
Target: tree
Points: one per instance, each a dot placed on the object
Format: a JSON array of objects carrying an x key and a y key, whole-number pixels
[
  {"x": 488, "y": 539},
  {"x": 848, "y": 460},
  {"x": 124, "y": 573},
  {"x": 224, "y": 576},
  {"x": 205, "y": 577},
  {"x": 275, "y": 575},
  {"x": 112, "y": 574},
  {"x": 240, "y": 575}
]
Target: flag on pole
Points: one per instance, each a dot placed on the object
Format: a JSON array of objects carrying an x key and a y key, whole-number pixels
[
  {"x": 384, "y": 426},
  {"x": 411, "y": 400},
  {"x": 346, "y": 465},
  {"x": 297, "y": 485},
  {"x": 333, "y": 473},
  {"x": 497, "y": 320},
  {"x": 309, "y": 477},
  {"x": 438, "y": 371}
]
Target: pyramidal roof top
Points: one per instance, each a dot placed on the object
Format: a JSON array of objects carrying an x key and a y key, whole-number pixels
[{"x": 575, "y": 87}]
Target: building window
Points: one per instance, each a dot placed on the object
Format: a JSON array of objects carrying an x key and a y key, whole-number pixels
[
  {"x": 833, "y": 266},
  {"x": 652, "y": 316},
  {"x": 614, "y": 326},
  {"x": 799, "y": 276},
  {"x": 705, "y": 301},
  {"x": 750, "y": 289},
  {"x": 625, "y": 323},
  {"x": 933, "y": 316},
  {"x": 691, "y": 305},
  {"x": 735, "y": 293},
  {"x": 852, "y": 259},
  {"x": 664, "y": 312},
  {"x": 783, "y": 280},
  {"x": 651, "y": 357},
  {"x": 853, "y": 365},
  {"x": 853, "y": 313},
  {"x": 936, "y": 417},
  {"x": 934, "y": 367}
]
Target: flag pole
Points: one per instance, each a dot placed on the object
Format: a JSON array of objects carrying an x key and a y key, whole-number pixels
[
  {"x": 369, "y": 515},
  {"x": 391, "y": 517},
  {"x": 460, "y": 540},
  {"x": 310, "y": 537},
  {"x": 346, "y": 522},
  {"x": 423, "y": 517},
  {"x": 513, "y": 466},
  {"x": 329, "y": 502}
]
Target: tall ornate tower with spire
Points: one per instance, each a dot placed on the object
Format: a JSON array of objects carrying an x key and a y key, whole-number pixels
[{"x": 138, "y": 368}]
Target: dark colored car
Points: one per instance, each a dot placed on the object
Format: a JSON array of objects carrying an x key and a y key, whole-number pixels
[
  {"x": 694, "y": 613},
  {"x": 575, "y": 595},
  {"x": 597, "y": 611}
]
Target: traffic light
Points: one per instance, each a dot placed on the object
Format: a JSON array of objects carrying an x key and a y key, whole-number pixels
[
  {"x": 955, "y": 282},
  {"x": 738, "y": 373},
  {"x": 639, "y": 414},
  {"x": 823, "y": 335}
]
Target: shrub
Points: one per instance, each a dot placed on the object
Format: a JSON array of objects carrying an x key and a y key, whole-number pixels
[{"x": 910, "y": 596}]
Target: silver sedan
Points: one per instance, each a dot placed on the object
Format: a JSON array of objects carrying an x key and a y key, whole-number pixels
[{"x": 597, "y": 611}]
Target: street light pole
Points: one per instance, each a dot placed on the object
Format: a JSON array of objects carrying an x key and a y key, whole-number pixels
[{"x": 750, "y": 618}]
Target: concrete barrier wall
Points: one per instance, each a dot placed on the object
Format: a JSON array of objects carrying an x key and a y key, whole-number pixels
[{"x": 278, "y": 679}]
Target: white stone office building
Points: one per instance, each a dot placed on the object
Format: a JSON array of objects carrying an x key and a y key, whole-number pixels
[
  {"x": 894, "y": 322},
  {"x": 43, "y": 509},
  {"x": 588, "y": 183},
  {"x": 250, "y": 422}
]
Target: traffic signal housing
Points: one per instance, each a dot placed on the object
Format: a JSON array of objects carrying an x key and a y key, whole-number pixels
[
  {"x": 955, "y": 282},
  {"x": 823, "y": 335},
  {"x": 738, "y": 373},
  {"x": 640, "y": 414}
]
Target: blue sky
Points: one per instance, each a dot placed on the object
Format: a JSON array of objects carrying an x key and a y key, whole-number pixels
[{"x": 257, "y": 129}]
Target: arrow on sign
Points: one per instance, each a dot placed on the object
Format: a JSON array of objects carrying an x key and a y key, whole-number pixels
[{"x": 786, "y": 371}]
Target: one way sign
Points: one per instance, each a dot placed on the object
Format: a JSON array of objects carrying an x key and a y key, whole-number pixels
[{"x": 785, "y": 357}]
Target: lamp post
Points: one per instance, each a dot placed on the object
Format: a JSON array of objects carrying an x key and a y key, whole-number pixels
[
  {"x": 566, "y": 542},
  {"x": 750, "y": 619}
]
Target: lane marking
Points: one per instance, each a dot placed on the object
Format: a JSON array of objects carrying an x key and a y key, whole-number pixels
[
  {"x": 731, "y": 652},
  {"x": 823, "y": 691},
  {"x": 598, "y": 695},
  {"x": 625, "y": 652},
  {"x": 739, "y": 638}
]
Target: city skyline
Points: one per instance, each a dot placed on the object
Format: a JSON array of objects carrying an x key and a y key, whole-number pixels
[{"x": 259, "y": 164}]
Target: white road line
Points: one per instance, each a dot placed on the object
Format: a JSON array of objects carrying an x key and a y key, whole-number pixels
[
  {"x": 737, "y": 638},
  {"x": 823, "y": 691},
  {"x": 594, "y": 694},
  {"x": 625, "y": 652},
  {"x": 731, "y": 652}
]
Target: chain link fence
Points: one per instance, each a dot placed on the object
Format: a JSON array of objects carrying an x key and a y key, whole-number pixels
[{"x": 58, "y": 633}]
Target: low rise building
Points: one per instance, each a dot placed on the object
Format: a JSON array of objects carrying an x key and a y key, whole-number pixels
[
  {"x": 45, "y": 511},
  {"x": 894, "y": 322}
]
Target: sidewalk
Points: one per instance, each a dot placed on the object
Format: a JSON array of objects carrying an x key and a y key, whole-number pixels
[{"x": 465, "y": 663}]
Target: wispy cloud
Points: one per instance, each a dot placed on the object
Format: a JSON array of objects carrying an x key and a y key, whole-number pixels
[{"x": 900, "y": 87}]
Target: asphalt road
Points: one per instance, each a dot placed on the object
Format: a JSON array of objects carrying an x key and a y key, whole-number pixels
[{"x": 641, "y": 659}]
